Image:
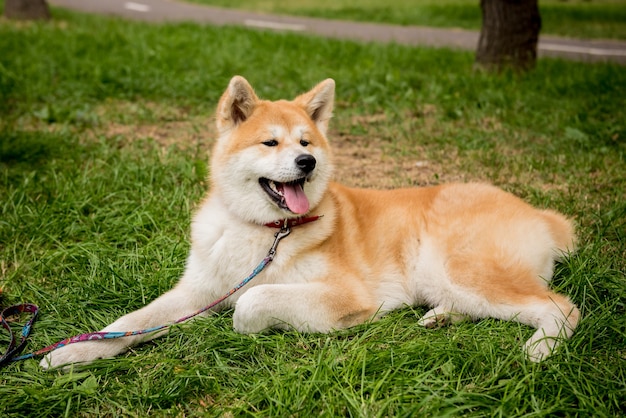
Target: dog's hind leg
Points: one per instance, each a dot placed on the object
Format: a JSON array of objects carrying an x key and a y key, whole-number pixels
[
  {"x": 513, "y": 291},
  {"x": 307, "y": 307},
  {"x": 555, "y": 318}
]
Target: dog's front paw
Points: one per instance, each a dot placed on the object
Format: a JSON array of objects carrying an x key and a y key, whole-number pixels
[
  {"x": 82, "y": 352},
  {"x": 253, "y": 312}
]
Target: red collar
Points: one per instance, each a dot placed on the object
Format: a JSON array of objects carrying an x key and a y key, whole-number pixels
[{"x": 288, "y": 223}]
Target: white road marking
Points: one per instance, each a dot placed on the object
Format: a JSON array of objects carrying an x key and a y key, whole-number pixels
[
  {"x": 137, "y": 7},
  {"x": 274, "y": 25},
  {"x": 582, "y": 50}
]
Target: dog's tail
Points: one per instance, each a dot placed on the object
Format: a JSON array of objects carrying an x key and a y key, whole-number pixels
[{"x": 562, "y": 231}]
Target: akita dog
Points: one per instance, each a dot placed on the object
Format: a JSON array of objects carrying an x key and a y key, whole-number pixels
[{"x": 464, "y": 250}]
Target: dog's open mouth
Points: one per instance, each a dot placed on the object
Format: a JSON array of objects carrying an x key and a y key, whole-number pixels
[{"x": 289, "y": 196}]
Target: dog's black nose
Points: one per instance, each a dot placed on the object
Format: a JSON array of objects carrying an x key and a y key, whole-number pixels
[{"x": 306, "y": 162}]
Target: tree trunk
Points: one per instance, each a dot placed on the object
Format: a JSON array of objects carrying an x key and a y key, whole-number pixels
[
  {"x": 26, "y": 9},
  {"x": 509, "y": 34}
]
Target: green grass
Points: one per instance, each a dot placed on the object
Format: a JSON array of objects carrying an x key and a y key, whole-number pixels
[
  {"x": 96, "y": 200},
  {"x": 575, "y": 18}
]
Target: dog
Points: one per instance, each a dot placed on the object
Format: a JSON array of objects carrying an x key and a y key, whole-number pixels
[{"x": 467, "y": 251}]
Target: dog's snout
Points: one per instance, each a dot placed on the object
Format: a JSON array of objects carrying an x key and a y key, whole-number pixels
[{"x": 306, "y": 162}]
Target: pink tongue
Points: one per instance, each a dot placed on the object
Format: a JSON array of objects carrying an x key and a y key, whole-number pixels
[{"x": 295, "y": 198}]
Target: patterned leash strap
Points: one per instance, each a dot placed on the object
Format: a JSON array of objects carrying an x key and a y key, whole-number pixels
[{"x": 13, "y": 350}]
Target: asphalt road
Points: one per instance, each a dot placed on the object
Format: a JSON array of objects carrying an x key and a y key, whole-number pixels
[{"x": 175, "y": 11}]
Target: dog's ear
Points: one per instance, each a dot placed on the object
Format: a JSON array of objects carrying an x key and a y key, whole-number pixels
[
  {"x": 318, "y": 103},
  {"x": 236, "y": 104}
]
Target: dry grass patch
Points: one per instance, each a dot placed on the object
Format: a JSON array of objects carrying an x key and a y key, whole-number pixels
[
  {"x": 374, "y": 151},
  {"x": 364, "y": 159}
]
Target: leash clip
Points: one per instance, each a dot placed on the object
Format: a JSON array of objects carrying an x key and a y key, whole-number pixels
[{"x": 282, "y": 233}]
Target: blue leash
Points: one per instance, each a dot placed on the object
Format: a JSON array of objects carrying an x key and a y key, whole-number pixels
[{"x": 15, "y": 349}]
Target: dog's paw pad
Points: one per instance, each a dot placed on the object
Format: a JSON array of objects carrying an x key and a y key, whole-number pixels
[{"x": 429, "y": 322}]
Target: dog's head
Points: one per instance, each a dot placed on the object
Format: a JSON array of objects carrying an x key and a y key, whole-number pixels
[{"x": 272, "y": 160}]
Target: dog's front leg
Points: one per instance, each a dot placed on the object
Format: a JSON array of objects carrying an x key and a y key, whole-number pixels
[
  {"x": 169, "y": 307},
  {"x": 307, "y": 307}
]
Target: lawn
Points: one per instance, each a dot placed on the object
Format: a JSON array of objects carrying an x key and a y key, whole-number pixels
[
  {"x": 105, "y": 126},
  {"x": 573, "y": 18}
]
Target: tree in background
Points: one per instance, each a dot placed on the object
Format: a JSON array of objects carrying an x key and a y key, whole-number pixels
[
  {"x": 26, "y": 9},
  {"x": 509, "y": 34}
]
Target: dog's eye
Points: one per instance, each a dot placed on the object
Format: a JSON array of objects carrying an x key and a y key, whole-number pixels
[
  {"x": 270, "y": 143},
  {"x": 304, "y": 143}
]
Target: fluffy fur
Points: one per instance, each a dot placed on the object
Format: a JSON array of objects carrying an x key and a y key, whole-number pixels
[{"x": 465, "y": 250}]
